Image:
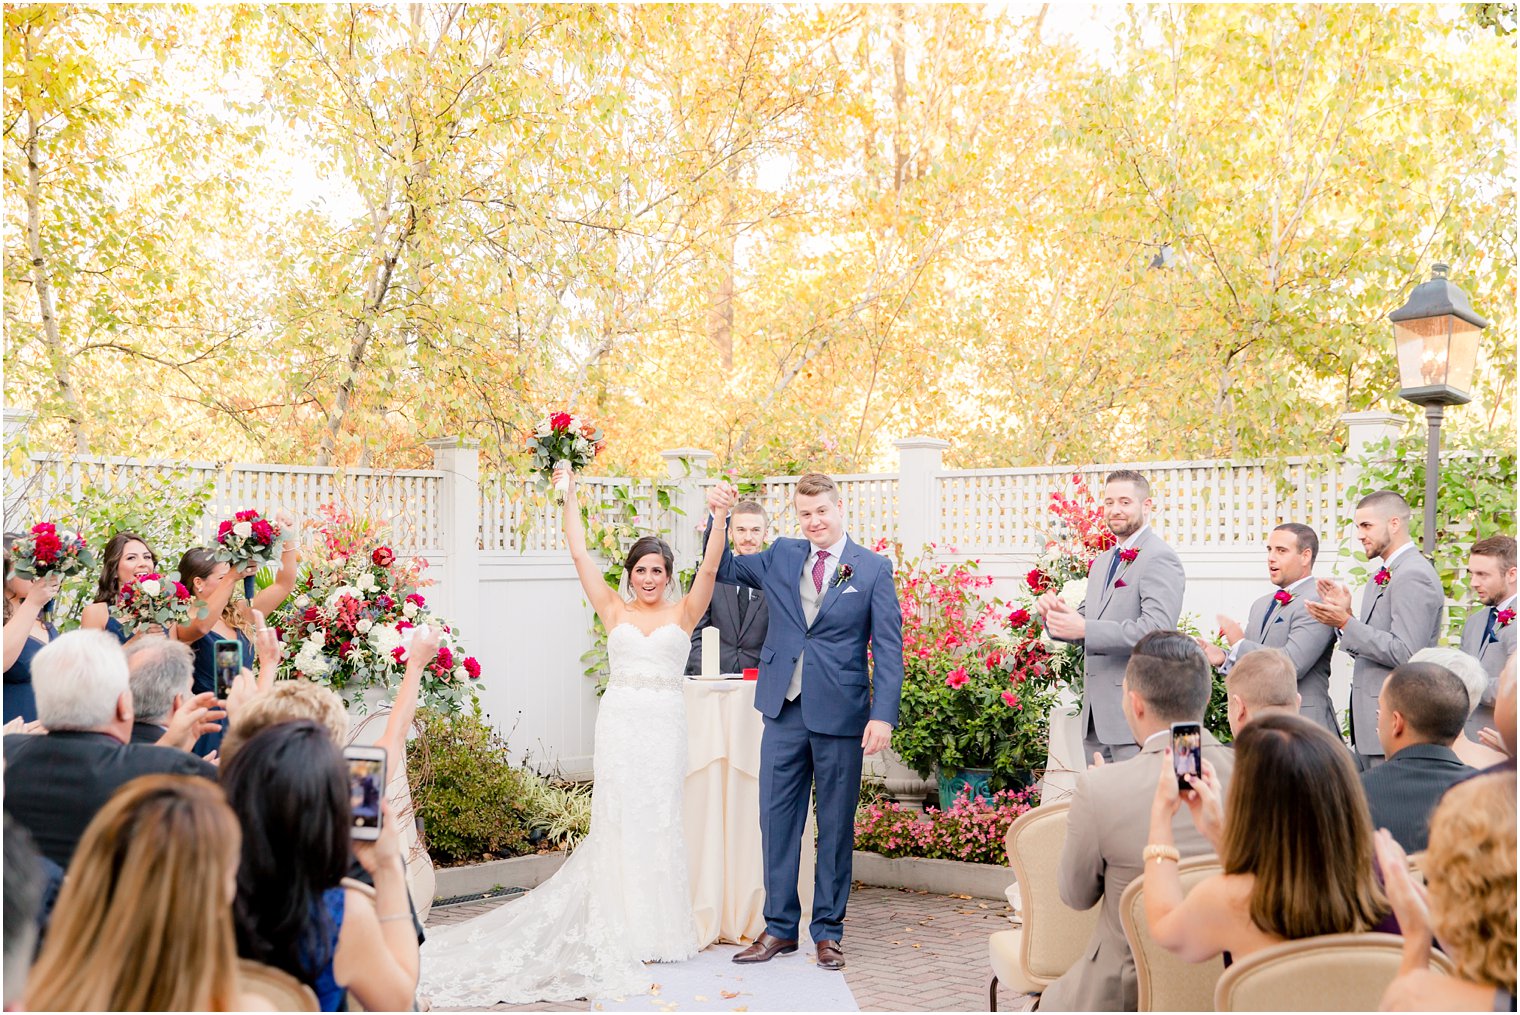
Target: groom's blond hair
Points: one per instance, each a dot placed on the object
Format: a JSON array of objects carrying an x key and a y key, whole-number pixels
[{"x": 815, "y": 483}]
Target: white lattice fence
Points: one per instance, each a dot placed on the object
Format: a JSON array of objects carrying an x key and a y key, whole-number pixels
[
  {"x": 406, "y": 501},
  {"x": 1211, "y": 503},
  {"x": 515, "y": 515}
]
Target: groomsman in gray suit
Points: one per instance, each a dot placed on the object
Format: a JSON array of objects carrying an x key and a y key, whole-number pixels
[
  {"x": 1279, "y": 620},
  {"x": 1134, "y": 587},
  {"x": 1489, "y": 634},
  {"x": 739, "y": 614},
  {"x": 1403, "y": 611}
]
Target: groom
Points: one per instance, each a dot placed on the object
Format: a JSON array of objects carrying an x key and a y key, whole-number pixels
[{"x": 830, "y": 600}]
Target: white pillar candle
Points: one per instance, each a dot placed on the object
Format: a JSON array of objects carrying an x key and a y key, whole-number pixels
[{"x": 709, "y": 651}]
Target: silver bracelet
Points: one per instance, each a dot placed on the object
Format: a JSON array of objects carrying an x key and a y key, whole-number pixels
[{"x": 395, "y": 916}]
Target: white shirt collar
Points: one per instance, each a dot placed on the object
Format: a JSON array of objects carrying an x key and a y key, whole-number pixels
[
  {"x": 1506, "y": 604},
  {"x": 1134, "y": 537},
  {"x": 834, "y": 551},
  {"x": 1305, "y": 578},
  {"x": 1396, "y": 554},
  {"x": 1153, "y": 736}
]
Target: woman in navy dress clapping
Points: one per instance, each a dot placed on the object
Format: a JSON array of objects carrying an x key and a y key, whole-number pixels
[{"x": 26, "y": 633}]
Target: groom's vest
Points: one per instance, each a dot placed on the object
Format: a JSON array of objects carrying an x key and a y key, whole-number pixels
[{"x": 811, "y": 600}]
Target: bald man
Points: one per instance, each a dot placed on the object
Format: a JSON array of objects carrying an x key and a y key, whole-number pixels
[{"x": 1262, "y": 682}]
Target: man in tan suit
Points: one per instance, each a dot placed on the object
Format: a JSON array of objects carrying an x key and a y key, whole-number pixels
[{"x": 1166, "y": 680}]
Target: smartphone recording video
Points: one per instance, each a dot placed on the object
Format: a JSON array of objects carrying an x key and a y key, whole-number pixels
[
  {"x": 1187, "y": 752},
  {"x": 366, "y": 784},
  {"x": 229, "y": 660}
]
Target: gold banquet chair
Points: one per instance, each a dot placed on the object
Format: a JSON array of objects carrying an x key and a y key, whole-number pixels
[
  {"x": 1334, "y": 972},
  {"x": 1166, "y": 982},
  {"x": 275, "y": 987},
  {"x": 1053, "y": 936}
]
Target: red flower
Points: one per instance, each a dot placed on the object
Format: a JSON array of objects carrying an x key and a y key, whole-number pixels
[
  {"x": 385, "y": 602},
  {"x": 264, "y": 531},
  {"x": 957, "y": 678},
  {"x": 1039, "y": 581},
  {"x": 1019, "y": 617},
  {"x": 1011, "y": 700},
  {"x": 44, "y": 527},
  {"x": 1381, "y": 578},
  {"x": 560, "y": 421},
  {"x": 1283, "y": 597},
  {"x": 1503, "y": 617},
  {"x": 398, "y": 652},
  {"x": 472, "y": 667},
  {"x": 343, "y": 649},
  {"x": 180, "y": 592},
  {"x": 383, "y": 556},
  {"x": 445, "y": 658},
  {"x": 224, "y": 528},
  {"x": 247, "y": 516},
  {"x": 312, "y": 615},
  {"x": 418, "y": 600},
  {"x": 1128, "y": 554}
]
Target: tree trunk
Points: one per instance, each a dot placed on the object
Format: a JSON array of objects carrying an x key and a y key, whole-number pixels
[
  {"x": 899, "y": 96},
  {"x": 41, "y": 278}
]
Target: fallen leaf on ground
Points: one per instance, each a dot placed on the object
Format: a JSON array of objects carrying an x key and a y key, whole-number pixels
[{"x": 729, "y": 994}]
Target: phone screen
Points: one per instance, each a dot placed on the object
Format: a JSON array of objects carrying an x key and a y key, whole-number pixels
[
  {"x": 366, "y": 781},
  {"x": 1187, "y": 752},
  {"x": 229, "y": 659}
]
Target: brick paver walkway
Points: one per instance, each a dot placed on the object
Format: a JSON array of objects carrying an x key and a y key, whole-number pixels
[{"x": 905, "y": 951}]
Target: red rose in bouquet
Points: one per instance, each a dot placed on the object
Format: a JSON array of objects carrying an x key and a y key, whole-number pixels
[
  {"x": 1039, "y": 582},
  {"x": 47, "y": 549},
  {"x": 383, "y": 556}
]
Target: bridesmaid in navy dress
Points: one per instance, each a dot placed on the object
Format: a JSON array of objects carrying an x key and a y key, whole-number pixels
[
  {"x": 212, "y": 582},
  {"x": 125, "y": 557},
  {"x": 26, "y": 633}
]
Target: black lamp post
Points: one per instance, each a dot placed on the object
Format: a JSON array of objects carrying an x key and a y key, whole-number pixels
[{"x": 1436, "y": 335}]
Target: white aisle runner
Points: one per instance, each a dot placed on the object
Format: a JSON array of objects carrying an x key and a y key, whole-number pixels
[{"x": 712, "y": 982}]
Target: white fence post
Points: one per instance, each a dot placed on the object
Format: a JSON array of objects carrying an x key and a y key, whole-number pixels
[
  {"x": 918, "y": 522},
  {"x": 458, "y": 459},
  {"x": 686, "y": 467}
]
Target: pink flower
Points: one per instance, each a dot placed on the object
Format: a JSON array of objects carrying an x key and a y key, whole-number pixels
[
  {"x": 1283, "y": 597},
  {"x": 957, "y": 678},
  {"x": 1019, "y": 617},
  {"x": 1381, "y": 578},
  {"x": 1128, "y": 554},
  {"x": 1011, "y": 700}
]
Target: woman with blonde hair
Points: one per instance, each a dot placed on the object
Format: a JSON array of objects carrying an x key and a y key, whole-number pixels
[
  {"x": 144, "y": 921},
  {"x": 1467, "y": 902},
  {"x": 1294, "y": 839}
]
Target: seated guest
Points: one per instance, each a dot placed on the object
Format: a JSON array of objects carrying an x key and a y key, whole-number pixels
[
  {"x": 26, "y": 632},
  {"x": 1468, "y": 670},
  {"x": 1265, "y": 682},
  {"x": 739, "y": 614},
  {"x": 1166, "y": 680},
  {"x": 1489, "y": 633},
  {"x": 1421, "y": 710},
  {"x": 55, "y": 783},
  {"x": 287, "y": 701},
  {"x": 144, "y": 921},
  {"x": 289, "y": 787},
  {"x": 1467, "y": 904},
  {"x": 159, "y": 671},
  {"x": 25, "y": 883},
  {"x": 1311, "y": 875}
]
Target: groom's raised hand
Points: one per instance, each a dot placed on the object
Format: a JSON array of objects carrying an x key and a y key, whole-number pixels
[
  {"x": 721, "y": 496},
  {"x": 877, "y": 736}
]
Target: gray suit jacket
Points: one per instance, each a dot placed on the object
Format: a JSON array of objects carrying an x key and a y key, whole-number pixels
[
  {"x": 1146, "y": 596},
  {"x": 1397, "y": 620},
  {"x": 1109, "y": 823},
  {"x": 738, "y": 641},
  {"x": 1492, "y": 655},
  {"x": 1308, "y": 643}
]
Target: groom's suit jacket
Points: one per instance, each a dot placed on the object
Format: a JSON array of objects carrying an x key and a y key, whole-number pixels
[
  {"x": 1396, "y": 621},
  {"x": 1150, "y": 599},
  {"x": 1308, "y": 643},
  {"x": 1491, "y": 652},
  {"x": 856, "y": 614}
]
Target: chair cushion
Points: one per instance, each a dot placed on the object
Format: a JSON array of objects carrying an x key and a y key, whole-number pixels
[{"x": 1003, "y": 954}]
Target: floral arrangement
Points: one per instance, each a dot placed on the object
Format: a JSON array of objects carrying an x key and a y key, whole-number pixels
[
  {"x": 562, "y": 437},
  {"x": 977, "y": 687},
  {"x": 46, "y": 549},
  {"x": 151, "y": 600},
  {"x": 247, "y": 538},
  {"x": 347, "y": 622},
  {"x": 974, "y": 829},
  {"x": 1076, "y": 538}
]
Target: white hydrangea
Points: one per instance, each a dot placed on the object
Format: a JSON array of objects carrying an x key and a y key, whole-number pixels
[
  {"x": 151, "y": 586},
  {"x": 385, "y": 637},
  {"x": 310, "y": 660},
  {"x": 543, "y": 429},
  {"x": 303, "y": 601},
  {"x": 364, "y": 625}
]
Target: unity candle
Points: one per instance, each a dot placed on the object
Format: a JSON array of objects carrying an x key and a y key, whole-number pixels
[{"x": 709, "y": 651}]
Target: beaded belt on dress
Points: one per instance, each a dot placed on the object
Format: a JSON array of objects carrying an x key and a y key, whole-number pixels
[{"x": 642, "y": 682}]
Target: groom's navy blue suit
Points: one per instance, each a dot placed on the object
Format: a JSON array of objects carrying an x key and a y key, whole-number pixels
[{"x": 816, "y": 737}]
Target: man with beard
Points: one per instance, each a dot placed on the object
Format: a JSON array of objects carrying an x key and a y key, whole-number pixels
[
  {"x": 1402, "y": 612},
  {"x": 1489, "y": 634},
  {"x": 1141, "y": 591}
]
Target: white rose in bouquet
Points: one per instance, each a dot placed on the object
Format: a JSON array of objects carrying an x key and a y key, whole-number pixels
[
  {"x": 366, "y": 583},
  {"x": 303, "y": 601},
  {"x": 460, "y": 673},
  {"x": 364, "y": 625},
  {"x": 1074, "y": 592},
  {"x": 243, "y": 530},
  {"x": 543, "y": 429},
  {"x": 409, "y": 610},
  {"x": 151, "y": 586}
]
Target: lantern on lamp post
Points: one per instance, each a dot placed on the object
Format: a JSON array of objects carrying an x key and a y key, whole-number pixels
[{"x": 1435, "y": 334}]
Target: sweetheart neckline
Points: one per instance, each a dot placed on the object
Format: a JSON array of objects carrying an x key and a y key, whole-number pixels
[{"x": 649, "y": 634}]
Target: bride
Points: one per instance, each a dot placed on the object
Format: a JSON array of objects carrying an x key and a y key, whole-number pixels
[{"x": 624, "y": 897}]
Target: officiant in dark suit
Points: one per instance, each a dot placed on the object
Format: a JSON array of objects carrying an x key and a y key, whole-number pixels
[{"x": 739, "y": 614}]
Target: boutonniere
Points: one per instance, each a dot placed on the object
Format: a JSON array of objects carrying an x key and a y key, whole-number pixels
[
  {"x": 1503, "y": 617},
  {"x": 1283, "y": 597},
  {"x": 1381, "y": 578},
  {"x": 1129, "y": 554},
  {"x": 844, "y": 574}
]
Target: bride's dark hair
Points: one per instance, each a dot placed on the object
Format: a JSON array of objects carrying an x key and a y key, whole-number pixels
[{"x": 643, "y": 548}]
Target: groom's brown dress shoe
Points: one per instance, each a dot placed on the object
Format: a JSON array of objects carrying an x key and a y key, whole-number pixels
[
  {"x": 830, "y": 956},
  {"x": 765, "y": 948}
]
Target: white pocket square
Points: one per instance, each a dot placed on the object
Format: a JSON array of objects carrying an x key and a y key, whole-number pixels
[{"x": 848, "y": 589}]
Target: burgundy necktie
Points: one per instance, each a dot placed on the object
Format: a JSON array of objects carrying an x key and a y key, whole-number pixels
[{"x": 823, "y": 555}]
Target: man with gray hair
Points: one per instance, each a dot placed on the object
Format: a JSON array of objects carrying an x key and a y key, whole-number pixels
[
  {"x": 56, "y": 782},
  {"x": 160, "y": 673}
]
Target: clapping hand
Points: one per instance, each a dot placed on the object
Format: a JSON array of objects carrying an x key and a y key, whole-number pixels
[
  {"x": 194, "y": 718},
  {"x": 1212, "y": 652},
  {"x": 1334, "y": 607},
  {"x": 1410, "y": 902},
  {"x": 1064, "y": 622}
]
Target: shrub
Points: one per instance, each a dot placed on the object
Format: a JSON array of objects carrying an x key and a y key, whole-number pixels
[{"x": 974, "y": 829}]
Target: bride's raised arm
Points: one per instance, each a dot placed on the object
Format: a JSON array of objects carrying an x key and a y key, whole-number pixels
[
  {"x": 697, "y": 600},
  {"x": 603, "y": 600}
]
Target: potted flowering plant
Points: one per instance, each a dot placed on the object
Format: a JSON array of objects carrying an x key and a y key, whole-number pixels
[
  {"x": 977, "y": 683},
  {"x": 348, "y": 620}
]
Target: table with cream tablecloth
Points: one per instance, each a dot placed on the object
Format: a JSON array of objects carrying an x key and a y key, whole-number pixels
[{"x": 722, "y": 802}]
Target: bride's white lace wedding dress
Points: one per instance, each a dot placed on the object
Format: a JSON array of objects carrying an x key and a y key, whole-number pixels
[{"x": 623, "y": 897}]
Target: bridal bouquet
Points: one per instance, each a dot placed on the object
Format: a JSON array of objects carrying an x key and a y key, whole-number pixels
[
  {"x": 349, "y": 620},
  {"x": 245, "y": 538},
  {"x": 46, "y": 549},
  {"x": 561, "y": 437},
  {"x": 151, "y": 600}
]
